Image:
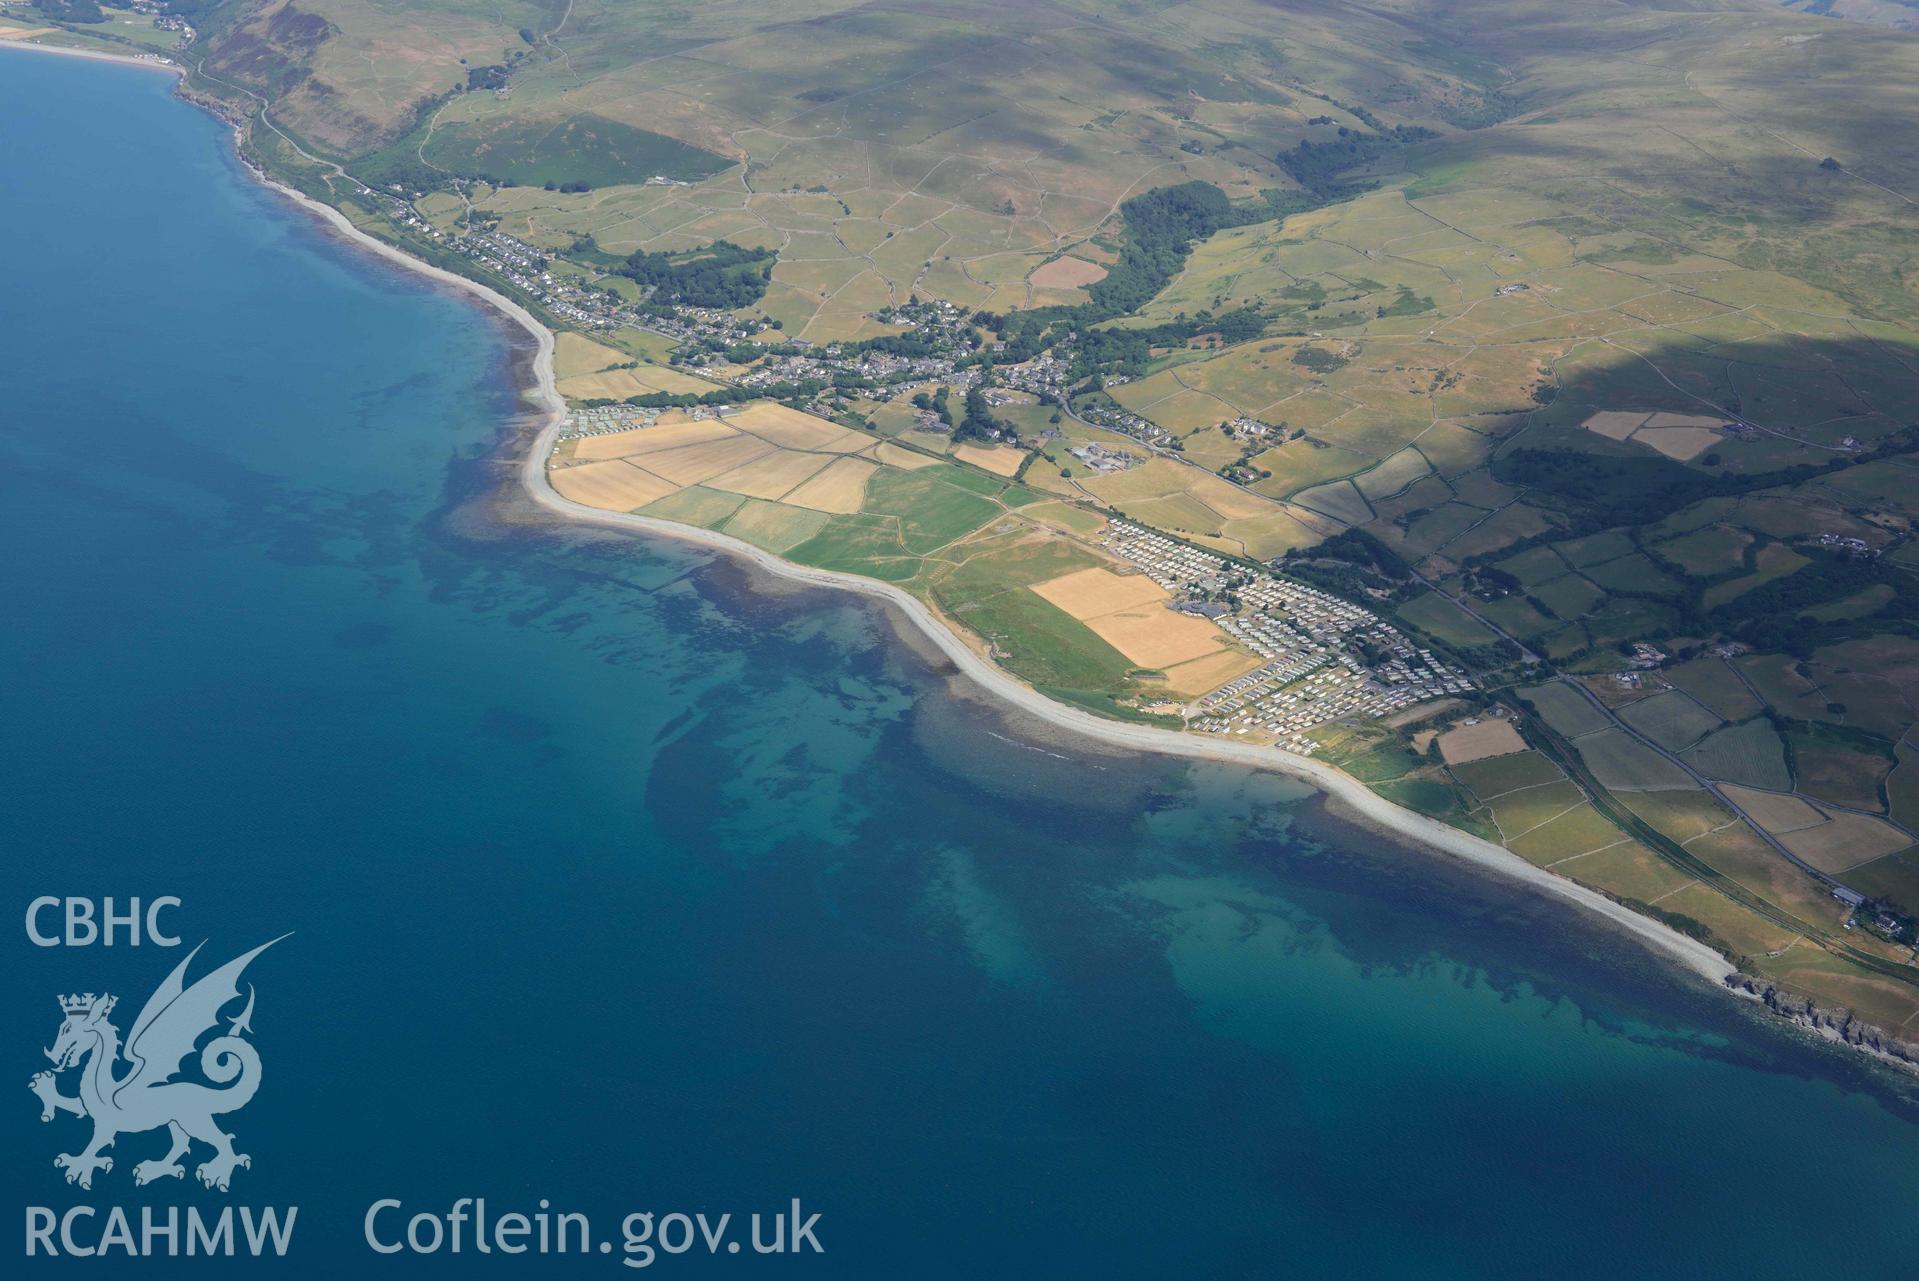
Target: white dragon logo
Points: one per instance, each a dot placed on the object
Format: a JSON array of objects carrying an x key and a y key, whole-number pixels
[{"x": 174, "y": 1018}]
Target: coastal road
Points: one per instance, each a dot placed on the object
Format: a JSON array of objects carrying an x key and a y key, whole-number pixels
[{"x": 1712, "y": 789}]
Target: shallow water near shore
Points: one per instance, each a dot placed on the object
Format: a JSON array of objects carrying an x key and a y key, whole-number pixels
[{"x": 625, "y": 878}]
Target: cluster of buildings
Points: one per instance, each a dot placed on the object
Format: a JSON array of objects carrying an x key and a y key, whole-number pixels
[
  {"x": 682, "y": 323},
  {"x": 1104, "y": 460},
  {"x": 1646, "y": 657},
  {"x": 1326, "y": 659},
  {"x": 1044, "y": 375},
  {"x": 602, "y": 420},
  {"x": 1124, "y": 420},
  {"x": 164, "y": 21},
  {"x": 526, "y": 266},
  {"x": 892, "y": 374},
  {"x": 508, "y": 255},
  {"x": 1857, "y": 547},
  {"x": 888, "y": 375}
]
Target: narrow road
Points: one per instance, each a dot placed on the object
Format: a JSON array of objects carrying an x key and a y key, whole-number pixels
[{"x": 1712, "y": 789}]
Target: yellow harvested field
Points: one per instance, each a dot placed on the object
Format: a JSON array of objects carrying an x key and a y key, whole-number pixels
[
  {"x": 904, "y": 459},
  {"x": 841, "y": 488},
  {"x": 574, "y": 354},
  {"x": 647, "y": 440},
  {"x": 618, "y": 384},
  {"x": 1067, "y": 273},
  {"x": 1614, "y": 424},
  {"x": 796, "y": 430},
  {"x": 998, "y": 459},
  {"x": 612, "y": 444},
  {"x": 1151, "y": 479},
  {"x": 672, "y": 380},
  {"x": 665, "y": 436},
  {"x": 1771, "y": 810},
  {"x": 1088, "y": 593},
  {"x": 1065, "y": 517},
  {"x": 613, "y": 384},
  {"x": 1155, "y": 636},
  {"x": 770, "y": 476},
  {"x": 1128, "y": 612},
  {"x": 22, "y": 33},
  {"x": 1228, "y": 499},
  {"x": 1477, "y": 742},
  {"x": 1845, "y": 841},
  {"x": 1162, "y": 478},
  {"x": 1204, "y": 675},
  {"x": 1264, "y": 537},
  {"x": 1682, "y": 443},
  {"x": 1682, "y": 420},
  {"x": 614, "y": 486},
  {"x": 696, "y": 464}
]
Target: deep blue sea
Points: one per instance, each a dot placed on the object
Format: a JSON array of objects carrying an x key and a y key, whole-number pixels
[{"x": 621, "y": 878}]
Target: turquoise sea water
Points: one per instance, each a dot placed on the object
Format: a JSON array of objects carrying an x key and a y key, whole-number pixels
[{"x": 626, "y": 880}]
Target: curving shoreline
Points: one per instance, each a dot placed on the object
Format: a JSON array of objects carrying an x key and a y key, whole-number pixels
[
  {"x": 1353, "y": 798},
  {"x": 98, "y": 55},
  {"x": 1357, "y": 800}
]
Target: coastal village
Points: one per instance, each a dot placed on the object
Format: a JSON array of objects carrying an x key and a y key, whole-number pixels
[
  {"x": 959, "y": 358},
  {"x": 1324, "y": 659}
]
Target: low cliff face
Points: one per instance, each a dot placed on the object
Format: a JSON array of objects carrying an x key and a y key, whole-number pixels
[{"x": 1834, "y": 1025}]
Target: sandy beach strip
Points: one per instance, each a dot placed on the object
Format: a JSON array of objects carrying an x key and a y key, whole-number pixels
[
  {"x": 96, "y": 55},
  {"x": 1352, "y": 797}
]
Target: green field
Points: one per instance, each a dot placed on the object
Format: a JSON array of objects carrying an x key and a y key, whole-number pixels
[
  {"x": 1705, "y": 553},
  {"x": 1902, "y": 786},
  {"x": 773, "y": 526},
  {"x": 1438, "y": 616},
  {"x": 1836, "y": 764},
  {"x": 1041, "y": 644},
  {"x": 1622, "y": 763},
  {"x": 929, "y": 508},
  {"x": 1566, "y": 710},
  {"x": 695, "y": 505},
  {"x": 585, "y": 149},
  {"x": 1523, "y": 811},
  {"x": 1497, "y": 775},
  {"x": 860, "y": 544},
  {"x": 1750, "y": 754},
  {"x": 1717, "y": 687},
  {"x": 1681, "y": 816},
  {"x": 1672, "y": 720},
  {"x": 1578, "y": 831}
]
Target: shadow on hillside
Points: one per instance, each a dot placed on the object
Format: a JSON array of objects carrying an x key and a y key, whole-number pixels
[{"x": 1819, "y": 390}]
